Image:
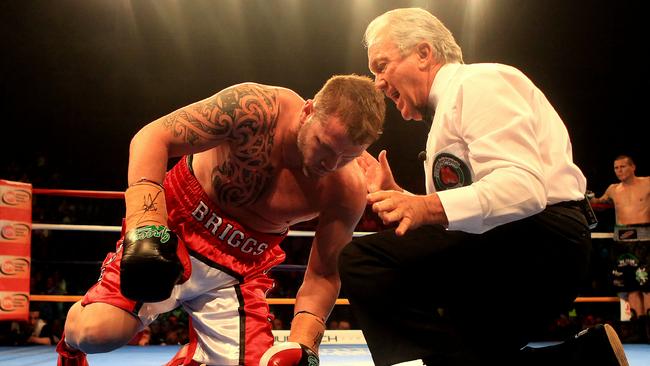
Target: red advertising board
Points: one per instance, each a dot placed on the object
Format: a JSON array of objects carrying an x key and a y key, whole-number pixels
[{"x": 15, "y": 249}]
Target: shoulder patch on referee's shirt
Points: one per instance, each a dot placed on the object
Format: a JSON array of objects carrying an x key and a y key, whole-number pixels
[{"x": 449, "y": 171}]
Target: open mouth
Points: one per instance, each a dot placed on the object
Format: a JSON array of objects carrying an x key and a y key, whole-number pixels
[{"x": 394, "y": 96}]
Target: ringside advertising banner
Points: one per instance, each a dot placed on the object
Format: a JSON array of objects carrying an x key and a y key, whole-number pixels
[{"x": 15, "y": 249}]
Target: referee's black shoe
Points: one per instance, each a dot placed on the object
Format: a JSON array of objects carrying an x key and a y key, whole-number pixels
[{"x": 598, "y": 345}]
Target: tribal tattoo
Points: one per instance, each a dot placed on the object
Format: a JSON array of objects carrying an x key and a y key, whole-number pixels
[{"x": 244, "y": 116}]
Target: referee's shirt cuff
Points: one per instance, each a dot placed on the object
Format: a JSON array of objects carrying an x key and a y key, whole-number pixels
[{"x": 463, "y": 209}]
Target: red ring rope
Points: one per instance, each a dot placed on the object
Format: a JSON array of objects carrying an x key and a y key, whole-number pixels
[{"x": 78, "y": 193}]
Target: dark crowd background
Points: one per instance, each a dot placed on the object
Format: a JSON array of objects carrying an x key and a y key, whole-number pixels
[{"x": 79, "y": 78}]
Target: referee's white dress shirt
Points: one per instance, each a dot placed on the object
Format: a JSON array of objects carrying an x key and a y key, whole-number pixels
[{"x": 499, "y": 146}]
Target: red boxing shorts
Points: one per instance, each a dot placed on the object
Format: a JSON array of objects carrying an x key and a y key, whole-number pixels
[{"x": 226, "y": 270}]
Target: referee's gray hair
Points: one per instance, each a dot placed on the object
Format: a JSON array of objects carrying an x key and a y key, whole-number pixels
[{"x": 409, "y": 26}]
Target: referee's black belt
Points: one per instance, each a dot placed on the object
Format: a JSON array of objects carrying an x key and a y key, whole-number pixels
[
  {"x": 582, "y": 206},
  {"x": 571, "y": 204}
]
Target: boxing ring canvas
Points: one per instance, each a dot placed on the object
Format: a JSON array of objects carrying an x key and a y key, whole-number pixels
[
  {"x": 331, "y": 355},
  {"x": 350, "y": 355}
]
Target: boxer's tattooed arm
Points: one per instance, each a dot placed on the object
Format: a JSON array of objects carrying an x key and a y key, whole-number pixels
[
  {"x": 219, "y": 117},
  {"x": 244, "y": 116}
]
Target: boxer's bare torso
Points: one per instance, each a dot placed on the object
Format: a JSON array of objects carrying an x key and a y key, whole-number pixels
[
  {"x": 631, "y": 200},
  {"x": 257, "y": 178}
]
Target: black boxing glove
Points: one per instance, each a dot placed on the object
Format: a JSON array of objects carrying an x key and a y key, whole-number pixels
[
  {"x": 289, "y": 354},
  {"x": 150, "y": 267}
]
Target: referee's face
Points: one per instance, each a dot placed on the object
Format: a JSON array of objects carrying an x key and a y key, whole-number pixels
[{"x": 400, "y": 77}]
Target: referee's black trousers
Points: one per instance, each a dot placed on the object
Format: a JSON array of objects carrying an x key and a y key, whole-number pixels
[{"x": 458, "y": 298}]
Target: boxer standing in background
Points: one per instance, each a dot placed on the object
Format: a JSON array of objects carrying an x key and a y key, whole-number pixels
[{"x": 631, "y": 251}]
